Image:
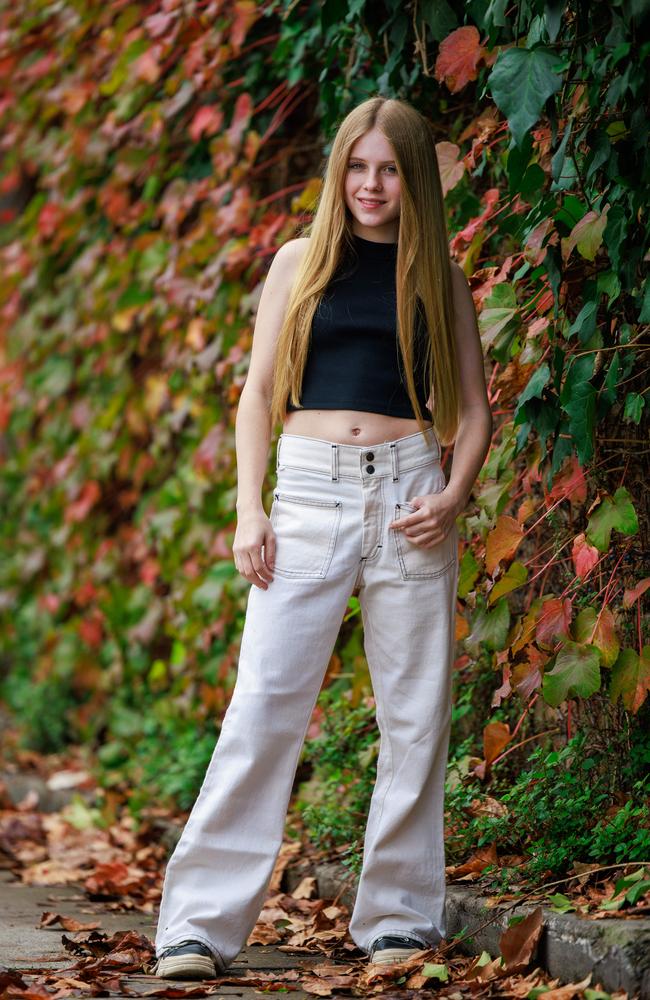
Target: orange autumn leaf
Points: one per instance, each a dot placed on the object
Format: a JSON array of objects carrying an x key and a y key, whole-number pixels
[
  {"x": 527, "y": 508},
  {"x": 480, "y": 859},
  {"x": 496, "y": 735},
  {"x": 512, "y": 380},
  {"x": 462, "y": 627},
  {"x": 502, "y": 542}
]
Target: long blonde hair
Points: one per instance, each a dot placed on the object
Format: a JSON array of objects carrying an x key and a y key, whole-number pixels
[{"x": 423, "y": 264}]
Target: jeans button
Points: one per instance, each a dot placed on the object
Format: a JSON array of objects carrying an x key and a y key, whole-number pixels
[
  {"x": 370, "y": 468},
  {"x": 370, "y": 455}
]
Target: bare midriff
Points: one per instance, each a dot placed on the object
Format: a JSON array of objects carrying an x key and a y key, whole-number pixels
[{"x": 349, "y": 426}]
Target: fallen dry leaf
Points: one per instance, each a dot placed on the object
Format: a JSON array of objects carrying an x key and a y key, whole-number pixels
[
  {"x": 306, "y": 889},
  {"x": 68, "y": 923},
  {"x": 519, "y": 942}
]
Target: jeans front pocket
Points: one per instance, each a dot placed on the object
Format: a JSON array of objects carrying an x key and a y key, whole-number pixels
[
  {"x": 418, "y": 563},
  {"x": 306, "y": 529}
]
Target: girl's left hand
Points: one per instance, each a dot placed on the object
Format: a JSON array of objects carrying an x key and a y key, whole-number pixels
[{"x": 431, "y": 523}]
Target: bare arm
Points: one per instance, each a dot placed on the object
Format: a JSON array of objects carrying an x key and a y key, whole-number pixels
[
  {"x": 475, "y": 428},
  {"x": 436, "y": 513},
  {"x": 253, "y": 422}
]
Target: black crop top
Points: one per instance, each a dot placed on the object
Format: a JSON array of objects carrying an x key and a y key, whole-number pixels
[{"x": 353, "y": 362}]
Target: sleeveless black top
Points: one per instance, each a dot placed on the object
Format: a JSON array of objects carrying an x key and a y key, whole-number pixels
[{"x": 353, "y": 362}]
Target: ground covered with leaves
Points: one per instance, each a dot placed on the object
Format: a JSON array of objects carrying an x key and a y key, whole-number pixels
[{"x": 117, "y": 867}]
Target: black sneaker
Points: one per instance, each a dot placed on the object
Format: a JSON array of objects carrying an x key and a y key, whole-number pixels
[
  {"x": 186, "y": 960},
  {"x": 394, "y": 948}
]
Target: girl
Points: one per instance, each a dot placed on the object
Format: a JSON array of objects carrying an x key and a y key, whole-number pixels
[{"x": 365, "y": 341}]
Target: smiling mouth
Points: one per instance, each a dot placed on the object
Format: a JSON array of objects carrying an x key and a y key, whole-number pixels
[{"x": 369, "y": 201}]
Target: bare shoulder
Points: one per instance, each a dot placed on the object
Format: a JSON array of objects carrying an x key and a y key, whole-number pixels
[
  {"x": 284, "y": 266},
  {"x": 458, "y": 276},
  {"x": 292, "y": 252},
  {"x": 461, "y": 290},
  {"x": 270, "y": 314}
]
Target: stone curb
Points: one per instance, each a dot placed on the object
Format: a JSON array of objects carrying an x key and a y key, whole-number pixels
[
  {"x": 49, "y": 799},
  {"x": 616, "y": 952}
]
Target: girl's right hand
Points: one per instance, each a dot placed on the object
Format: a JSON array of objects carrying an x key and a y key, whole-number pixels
[{"x": 254, "y": 536}]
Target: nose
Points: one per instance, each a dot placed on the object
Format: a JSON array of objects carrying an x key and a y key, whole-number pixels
[{"x": 372, "y": 183}]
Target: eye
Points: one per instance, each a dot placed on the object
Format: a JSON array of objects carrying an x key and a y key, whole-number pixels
[{"x": 352, "y": 166}]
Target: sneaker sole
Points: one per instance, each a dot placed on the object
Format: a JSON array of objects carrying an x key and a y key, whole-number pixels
[
  {"x": 186, "y": 967},
  {"x": 386, "y": 956}
]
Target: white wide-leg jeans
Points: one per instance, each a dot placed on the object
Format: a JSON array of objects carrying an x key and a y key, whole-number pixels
[{"x": 332, "y": 504}]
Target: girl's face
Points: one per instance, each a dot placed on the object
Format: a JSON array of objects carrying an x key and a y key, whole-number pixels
[{"x": 372, "y": 188}]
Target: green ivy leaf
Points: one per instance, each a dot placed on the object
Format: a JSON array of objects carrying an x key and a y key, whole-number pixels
[
  {"x": 533, "y": 388},
  {"x": 468, "y": 573},
  {"x": 636, "y": 891},
  {"x": 634, "y": 403},
  {"x": 516, "y": 576},
  {"x": 500, "y": 308},
  {"x": 576, "y": 672},
  {"x": 561, "y": 903},
  {"x": 613, "y": 513},
  {"x": 604, "y": 637},
  {"x": 490, "y": 627},
  {"x": 578, "y": 399},
  {"x": 433, "y": 970},
  {"x": 631, "y": 678},
  {"x": 521, "y": 82}
]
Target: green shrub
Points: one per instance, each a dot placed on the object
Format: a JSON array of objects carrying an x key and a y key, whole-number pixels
[
  {"x": 157, "y": 757},
  {"x": 560, "y": 809},
  {"x": 334, "y": 801},
  {"x": 43, "y": 709}
]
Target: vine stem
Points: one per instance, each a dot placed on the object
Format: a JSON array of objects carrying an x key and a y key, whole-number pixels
[
  {"x": 548, "y": 564},
  {"x": 545, "y": 885},
  {"x": 522, "y": 743},
  {"x": 606, "y": 594}
]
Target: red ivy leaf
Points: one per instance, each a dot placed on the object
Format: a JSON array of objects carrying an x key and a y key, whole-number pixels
[
  {"x": 554, "y": 620},
  {"x": 569, "y": 483},
  {"x": 630, "y": 597},
  {"x": 207, "y": 120},
  {"x": 584, "y": 555},
  {"x": 458, "y": 58}
]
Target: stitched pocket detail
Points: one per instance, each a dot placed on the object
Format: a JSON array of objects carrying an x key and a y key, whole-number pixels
[
  {"x": 417, "y": 563},
  {"x": 306, "y": 530}
]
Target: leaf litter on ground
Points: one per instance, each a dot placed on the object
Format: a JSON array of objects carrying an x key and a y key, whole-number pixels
[{"x": 119, "y": 866}]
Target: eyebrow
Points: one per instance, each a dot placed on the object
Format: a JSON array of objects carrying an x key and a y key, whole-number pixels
[{"x": 363, "y": 161}]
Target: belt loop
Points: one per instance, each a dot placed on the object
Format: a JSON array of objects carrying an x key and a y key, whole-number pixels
[
  {"x": 393, "y": 455},
  {"x": 335, "y": 462}
]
